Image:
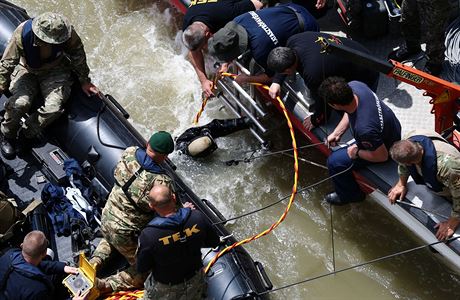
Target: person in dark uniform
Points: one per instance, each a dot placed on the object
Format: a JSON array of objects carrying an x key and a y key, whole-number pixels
[
  {"x": 170, "y": 248},
  {"x": 432, "y": 15},
  {"x": 259, "y": 32},
  {"x": 199, "y": 141},
  {"x": 24, "y": 275},
  {"x": 202, "y": 20},
  {"x": 303, "y": 54},
  {"x": 375, "y": 129}
]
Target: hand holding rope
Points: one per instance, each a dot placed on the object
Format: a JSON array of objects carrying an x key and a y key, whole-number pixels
[
  {"x": 294, "y": 187},
  {"x": 205, "y": 101}
]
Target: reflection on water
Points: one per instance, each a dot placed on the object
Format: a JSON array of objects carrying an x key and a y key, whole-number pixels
[{"x": 134, "y": 54}]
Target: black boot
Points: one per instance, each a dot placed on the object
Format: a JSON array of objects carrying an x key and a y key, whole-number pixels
[
  {"x": 7, "y": 147},
  {"x": 433, "y": 68},
  {"x": 404, "y": 52}
]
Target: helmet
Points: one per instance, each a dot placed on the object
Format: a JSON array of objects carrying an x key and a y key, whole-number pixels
[{"x": 52, "y": 28}]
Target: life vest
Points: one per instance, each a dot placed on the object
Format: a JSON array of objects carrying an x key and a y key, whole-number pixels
[
  {"x": 32, "y": 52},
  {"x": 429, "y": 164},
  {"x": 18, "y": 264}
]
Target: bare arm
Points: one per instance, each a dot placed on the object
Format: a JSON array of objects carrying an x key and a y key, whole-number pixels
[
  {"x": 399, "y": 190},
  {"x": 260, "y": 78},
  {"x": 258, "y": 4},
  {"x": 197, "y": 60},
  {"x": 339, "y": 130},
  {"x": 378, "y": 155}
]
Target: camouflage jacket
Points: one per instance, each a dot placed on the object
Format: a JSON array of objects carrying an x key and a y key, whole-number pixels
[
  {"x": 74, "y": 58},
  {"x": 121, "y": 214},
  {"x": 448, "y": 163}
]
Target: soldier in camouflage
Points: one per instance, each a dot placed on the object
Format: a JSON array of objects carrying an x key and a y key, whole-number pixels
[
  {"x": 429, "y": 154},
  {"x": 39, "y": 59},
  {"x": 127, "y": 210},
  {"x": 433, "y": 14}
]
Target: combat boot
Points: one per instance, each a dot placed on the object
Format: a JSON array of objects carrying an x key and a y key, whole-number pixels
[
  {"x": 433, "y": 68},
  {"x": 7, "y": 147},
  {"x": 404, "y": 52}
]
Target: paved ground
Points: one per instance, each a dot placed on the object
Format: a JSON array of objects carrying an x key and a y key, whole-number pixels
[{"x": 409, "y": 104}]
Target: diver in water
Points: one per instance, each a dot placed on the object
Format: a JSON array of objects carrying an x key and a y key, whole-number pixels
[{"x": 199, "y": 141}]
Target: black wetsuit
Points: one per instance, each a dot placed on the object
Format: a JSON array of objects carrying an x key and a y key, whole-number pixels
[{"x": 215, "y": 129}]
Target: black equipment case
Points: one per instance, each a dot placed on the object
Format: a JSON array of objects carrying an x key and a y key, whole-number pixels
[{"x": 51, "y": 158}]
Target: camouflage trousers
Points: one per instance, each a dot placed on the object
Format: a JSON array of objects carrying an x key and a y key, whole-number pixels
[
  {"x": 55, "y": 87},
  {"x": 194, "y": 288},
  {"x": 126, "y": 244},
  {"x": 432, "y": 15}
]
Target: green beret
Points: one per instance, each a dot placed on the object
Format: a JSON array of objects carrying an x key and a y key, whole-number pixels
[{"x": 162, "y": 142}]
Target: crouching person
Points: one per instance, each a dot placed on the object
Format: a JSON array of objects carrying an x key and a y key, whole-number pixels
[
  {"x": 25, "y": 275},
  {"x": 430, "y": 160},
  {"x": 170, "y": 248}
]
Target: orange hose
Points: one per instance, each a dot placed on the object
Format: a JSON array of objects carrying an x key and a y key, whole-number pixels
[{"x": 294, "y": 186}]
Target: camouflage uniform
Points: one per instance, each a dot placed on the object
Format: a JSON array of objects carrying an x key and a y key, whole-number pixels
[
  {"x": 53, "y": 80},
  {"x": 193, "y": 289},
  {"x": 448, "y": 163},
  {"x": 123, "y": 220},
  {"x": 434, "y": 15}
]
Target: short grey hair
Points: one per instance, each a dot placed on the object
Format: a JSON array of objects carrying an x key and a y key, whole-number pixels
[
  {"x": 194, "y": 36},
  {"x": 405, "y": 151}
]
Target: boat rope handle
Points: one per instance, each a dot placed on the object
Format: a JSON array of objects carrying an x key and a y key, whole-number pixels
[{"x": 294, "y": 186}]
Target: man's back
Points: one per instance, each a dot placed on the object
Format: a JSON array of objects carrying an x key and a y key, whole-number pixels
[
  {"x": 373, "y": 122},
  {"x": 171, "y": 248},
  {"x": 315, "y": 66},
  {"x": 216, "y": 14},
  {"x": 22, "y": 281},
  {"x": 129, "y": 210},
  {"x": 271, "y": 27}
]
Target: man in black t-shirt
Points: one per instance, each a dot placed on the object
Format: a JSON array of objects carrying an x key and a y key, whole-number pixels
[
  {"x": 374, "y": 126},
  {"x": 170, "y": 248},
  {"x": 303, "y": 54},
  {"x": 202, "y": 20}
]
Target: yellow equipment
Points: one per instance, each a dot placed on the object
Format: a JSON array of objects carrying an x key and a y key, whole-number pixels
[{"x": 83, "y": 282}]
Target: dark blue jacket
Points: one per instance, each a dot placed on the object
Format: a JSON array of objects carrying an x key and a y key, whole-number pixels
[
  {"x": 271, "y": 27},
  {"x": 429, "y": 164},
  {"x": 20, "y": 280}
]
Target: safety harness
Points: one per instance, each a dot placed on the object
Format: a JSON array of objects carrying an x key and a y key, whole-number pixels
[{"x": 136, "y": 174}]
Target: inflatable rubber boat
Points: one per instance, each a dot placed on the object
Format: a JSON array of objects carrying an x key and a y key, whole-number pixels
[{"x": 95, "y": 132}]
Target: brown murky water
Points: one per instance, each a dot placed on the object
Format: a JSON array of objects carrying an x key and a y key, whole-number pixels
[{"x": 134, "y": 54}]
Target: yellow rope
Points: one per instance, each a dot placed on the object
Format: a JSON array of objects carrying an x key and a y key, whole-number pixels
[
  {"x": 205, "y": 101},
  {"x": 294, "y": 186},
  {"x": 126, "y": 295}
]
